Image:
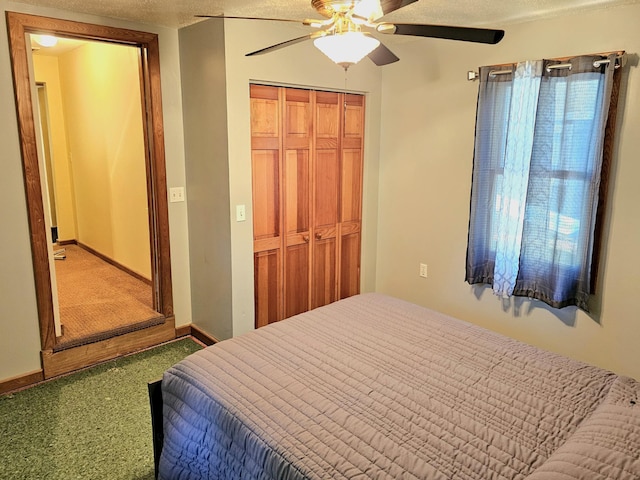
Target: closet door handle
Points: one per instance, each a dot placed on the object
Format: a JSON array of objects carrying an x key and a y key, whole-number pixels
[
  {"x": 318, "y": 236},
  {"x": 305, "y": 238}
]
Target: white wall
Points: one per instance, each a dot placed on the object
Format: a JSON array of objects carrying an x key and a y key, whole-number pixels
[
  {"x": 19, "y": 333},
  {"x": 300, "y": 65},
  {"x": 425, "y": 177}
]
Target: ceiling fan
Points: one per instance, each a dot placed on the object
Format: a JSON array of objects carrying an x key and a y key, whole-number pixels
[{"x": 345, "y": 33}]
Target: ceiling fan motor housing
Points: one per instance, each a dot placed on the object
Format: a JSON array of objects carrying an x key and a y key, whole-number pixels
[{"x": 328, "y": 8}]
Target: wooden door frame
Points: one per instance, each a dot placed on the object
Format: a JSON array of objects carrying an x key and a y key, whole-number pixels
[{"x": 18, "y": 25}]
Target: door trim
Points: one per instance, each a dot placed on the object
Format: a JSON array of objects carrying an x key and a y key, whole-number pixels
[{"x": 18, "y": 26}]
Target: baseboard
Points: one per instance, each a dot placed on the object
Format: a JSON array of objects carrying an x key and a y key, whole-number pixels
[
  {"x": 21, "y": 381},
  {"x": 183, "y": 331},
  {"x": 62, "y": 243},
  {"x": 111, "y": 261},
  {"x": 195, "y": 332}
]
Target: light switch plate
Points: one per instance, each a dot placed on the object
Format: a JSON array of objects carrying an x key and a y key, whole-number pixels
[
  {"x": 423, "y": 270},
  {"x": 241, "y": 214},
  {"x": 176, "y": 194}
]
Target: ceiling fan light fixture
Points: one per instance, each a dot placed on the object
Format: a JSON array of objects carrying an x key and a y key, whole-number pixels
[{"x": 346, "y": 48}]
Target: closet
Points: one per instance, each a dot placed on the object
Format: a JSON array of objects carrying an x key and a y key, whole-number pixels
[{"x": 307, "y": 151}]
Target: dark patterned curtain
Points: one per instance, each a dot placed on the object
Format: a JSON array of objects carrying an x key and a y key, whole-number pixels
[{"x": 538, "y": 162}]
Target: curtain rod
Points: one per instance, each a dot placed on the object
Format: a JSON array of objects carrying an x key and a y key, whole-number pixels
[{"x": 621, "y": 61}]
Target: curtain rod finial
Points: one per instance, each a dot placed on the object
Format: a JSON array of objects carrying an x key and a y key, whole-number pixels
[{"x": 471, "y": 75}]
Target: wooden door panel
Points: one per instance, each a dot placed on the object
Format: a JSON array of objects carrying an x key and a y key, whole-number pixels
[
  {"x": 297, "y": 119},
  {"x": 325, "y": 233},
  {"x": 326, "y": 144},
  {"x": 264, "y": 118},
  {"x": 297, "y": 94},
  {"x": 263, "y": 91},
  {"x": 267, "y": 287},
  {"x": 297, "y": 144},
  {"x": 327, "y": 174},
  {"x": 297, "y": 199},
  {"x": 350, "y": 265},
  {"x": 353, "y": 122},
  {"x": 296, "y": 299},
  {"x": 327, "y": 121},
  {"x": 264, "y": 111},
  {"x": 327, "y": 115},
  {"x": 266, "y": 198},
  {"x": 351, "y": 188},
  {"x": 324, "y": 272},
  {"x": 354, "y": 116}
]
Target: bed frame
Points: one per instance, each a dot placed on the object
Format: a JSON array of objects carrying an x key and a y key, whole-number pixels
[{"x": 155, "y": 402}]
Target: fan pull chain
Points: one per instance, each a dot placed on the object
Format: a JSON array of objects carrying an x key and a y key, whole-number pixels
[{"x": 344, "y": 102}]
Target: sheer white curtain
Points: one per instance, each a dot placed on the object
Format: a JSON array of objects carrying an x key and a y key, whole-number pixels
[
  {"x": 536, "y": 179},
  {"x": 511, "y": 188}
]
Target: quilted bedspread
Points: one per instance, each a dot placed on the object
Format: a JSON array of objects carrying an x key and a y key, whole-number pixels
[{"x": 375, "y": 387}]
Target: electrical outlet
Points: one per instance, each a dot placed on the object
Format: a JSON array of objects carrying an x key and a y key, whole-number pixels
[{"x": 423, "y": 270}]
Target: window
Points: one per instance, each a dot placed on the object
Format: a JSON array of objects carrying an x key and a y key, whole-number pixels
[{"x": 540, "y": 137}]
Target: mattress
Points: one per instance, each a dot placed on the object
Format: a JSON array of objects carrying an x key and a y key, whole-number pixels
[{"x": 373, "y": 387}]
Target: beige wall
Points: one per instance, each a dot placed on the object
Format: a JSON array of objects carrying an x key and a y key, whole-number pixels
[
  {"x": 420, "y": 122},
  {"x": 207, "y": 167},
  {"x": 46, "y": 70},
  {"x": 19, "y": 333},
  {"x": 300, "y": 65},
  {"x": 425, "y": 176},
  {"x": 103, "y": 114}
]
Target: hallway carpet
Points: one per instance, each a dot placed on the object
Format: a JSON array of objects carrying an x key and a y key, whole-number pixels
[
  {"x": 94, "y": 424},
  {"x": 98, "y": 300}
]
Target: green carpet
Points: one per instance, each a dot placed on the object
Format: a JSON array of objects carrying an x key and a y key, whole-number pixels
[{"x": 94, "y": 424}]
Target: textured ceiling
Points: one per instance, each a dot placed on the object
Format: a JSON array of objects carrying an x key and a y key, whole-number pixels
[{"x": 178, "y": 13}]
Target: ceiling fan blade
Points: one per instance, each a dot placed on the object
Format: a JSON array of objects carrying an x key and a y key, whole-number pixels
[
  {"x": 309, "y": 22},
  {"x": 465, "y": 34},
  {"x": 382, "y": 56},
  {"x": 278, "y": 46}
]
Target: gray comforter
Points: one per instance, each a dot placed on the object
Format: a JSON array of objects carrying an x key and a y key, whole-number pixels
[{"x": 375, "y": 387}]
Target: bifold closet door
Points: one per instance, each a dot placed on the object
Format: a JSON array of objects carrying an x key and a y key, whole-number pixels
[
  {"x": 306, "y": 151},
  {"x": 297, "y": 138},
  {"x": 266, "y": 164},
  {"x": 351, "y": 196},
  {"x": 326, "y": 198}
]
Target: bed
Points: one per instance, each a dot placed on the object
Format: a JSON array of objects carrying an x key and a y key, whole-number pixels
[{"x": 373, "y": 387}]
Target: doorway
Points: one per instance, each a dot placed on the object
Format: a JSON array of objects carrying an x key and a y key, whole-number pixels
[
  {"x": 94, "y": 177},
  {"x": 57, "y": 357}
]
